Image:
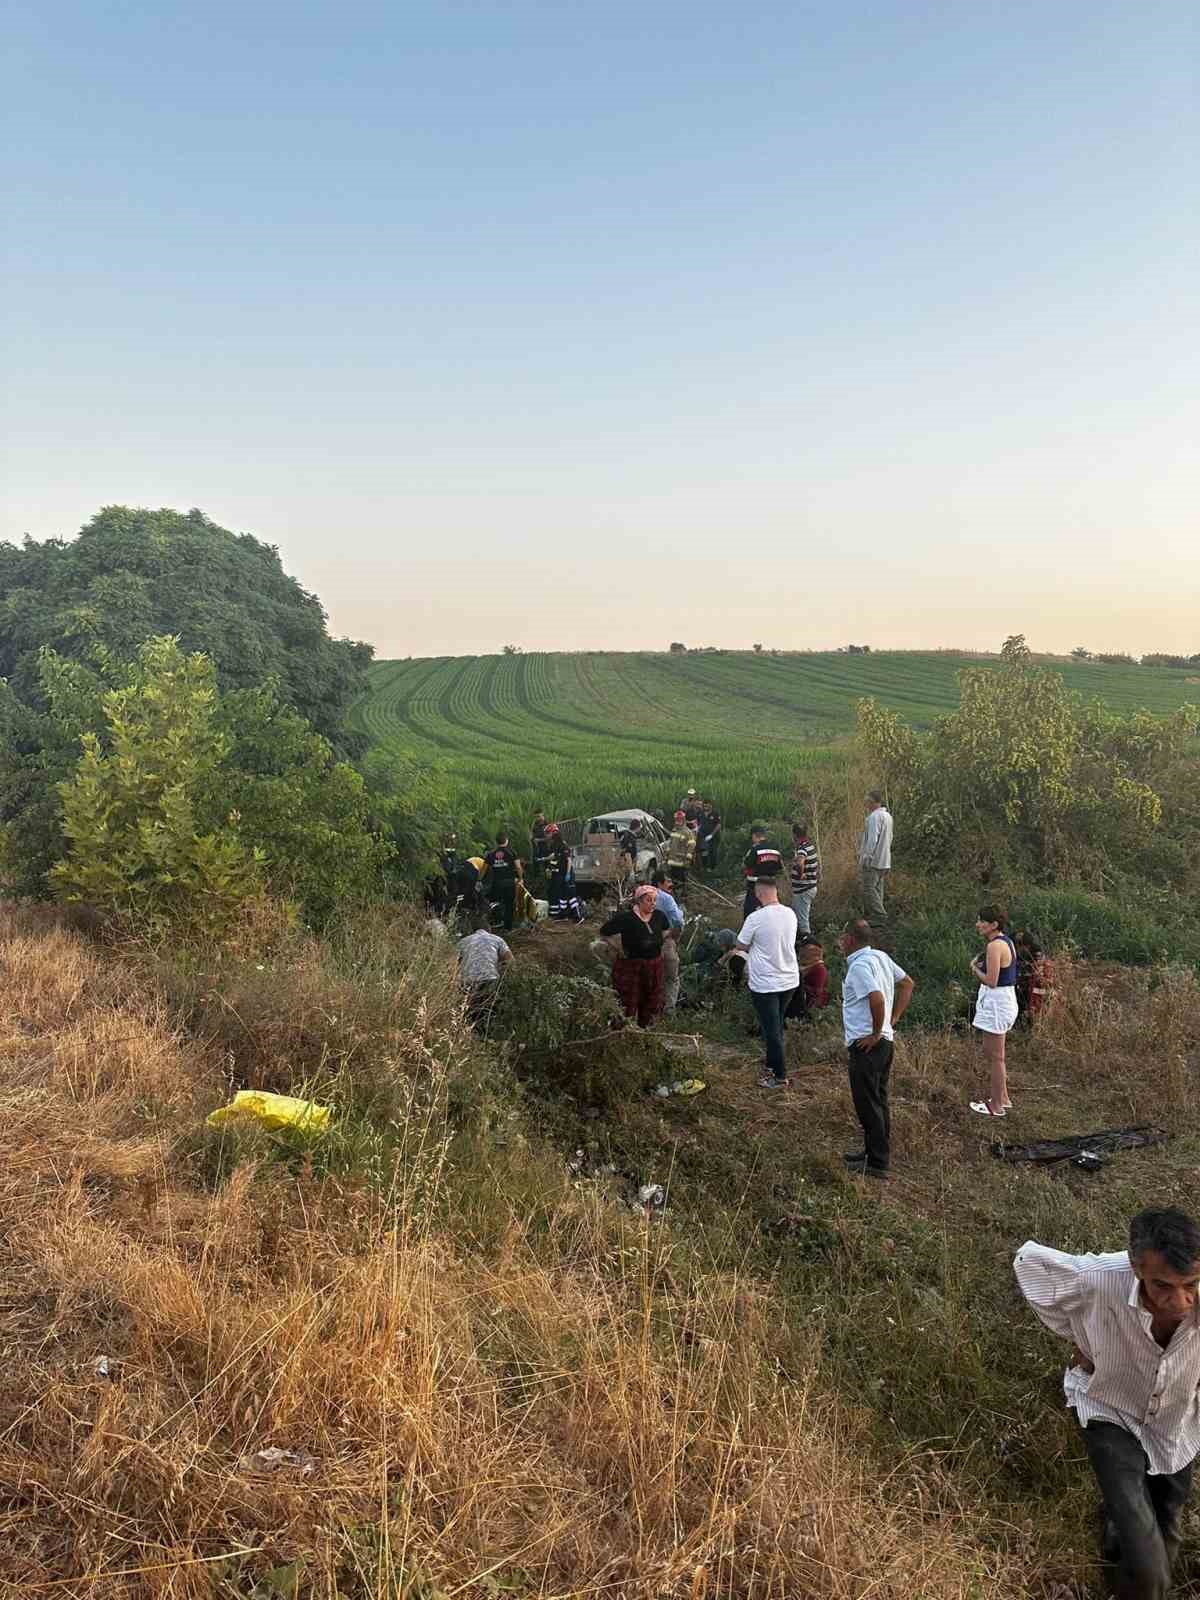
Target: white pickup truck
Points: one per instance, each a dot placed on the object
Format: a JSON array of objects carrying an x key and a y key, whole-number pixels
[{"x": 597, "y": 859}]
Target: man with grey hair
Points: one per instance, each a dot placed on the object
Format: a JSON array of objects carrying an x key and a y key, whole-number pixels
[
  {"x": 875, "y": 855},
  {"x": 875, "y": 995},
  {"x": 1132, "y": 1377}
]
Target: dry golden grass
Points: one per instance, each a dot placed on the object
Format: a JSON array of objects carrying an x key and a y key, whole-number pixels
[{"x": 558, "y": 1413}]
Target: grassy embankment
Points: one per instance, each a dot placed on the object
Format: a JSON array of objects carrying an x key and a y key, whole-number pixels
[
  {"x": 509, "y": 1382},
  {"x": 503, "y": 1382}
]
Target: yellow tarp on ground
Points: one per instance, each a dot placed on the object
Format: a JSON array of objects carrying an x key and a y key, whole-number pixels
[{"x": 272, "y": 1111}]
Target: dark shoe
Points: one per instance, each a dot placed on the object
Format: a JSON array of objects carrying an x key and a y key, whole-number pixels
[
  {"x": 855, "y": 1158},
  {"x": 860, "y": 1169}
]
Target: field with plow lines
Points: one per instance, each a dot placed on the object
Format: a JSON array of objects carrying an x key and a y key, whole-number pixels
[{"x": 574, "y": 731}]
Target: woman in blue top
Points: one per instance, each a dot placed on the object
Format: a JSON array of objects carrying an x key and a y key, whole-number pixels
[{"x": 996, "y": 1006}]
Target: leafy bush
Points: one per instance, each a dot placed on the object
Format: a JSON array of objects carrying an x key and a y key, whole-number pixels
[
  {"x": 548, "y": 1016},
  {"x": 186, "y": 804},
  {"x": 136, "y": 849},
  {"x": 1025, "y": 773},
  {"x": 1099, "y": 927}
]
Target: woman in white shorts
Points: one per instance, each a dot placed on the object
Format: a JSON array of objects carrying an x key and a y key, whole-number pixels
[{"x": 996, "y": 1006}]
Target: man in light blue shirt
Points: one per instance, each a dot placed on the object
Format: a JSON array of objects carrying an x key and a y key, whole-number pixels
[
  {"x": 875, "y": 995},
  {"x": 670, "y": 908}
]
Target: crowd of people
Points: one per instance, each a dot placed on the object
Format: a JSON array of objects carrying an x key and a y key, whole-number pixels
[
  {"x": 773, "y": 954},
  {"x": 1131, "y": 1317}
]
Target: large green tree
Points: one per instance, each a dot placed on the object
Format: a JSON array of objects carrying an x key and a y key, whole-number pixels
[{"x": 131, "y": 574}]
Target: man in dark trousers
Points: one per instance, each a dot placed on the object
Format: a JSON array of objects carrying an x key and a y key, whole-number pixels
[
  {"x": 539, "y": 843},
  {"x": 875, "y": 995},
  {"x": 761, "y": 861},
  {"x": 708, "y": 830},
  {"x": 503, "y": 870},
  {"x": 1132, "y": 1377}
]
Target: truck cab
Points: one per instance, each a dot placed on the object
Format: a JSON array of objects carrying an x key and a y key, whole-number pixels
[{"x": 598, "y": 858}]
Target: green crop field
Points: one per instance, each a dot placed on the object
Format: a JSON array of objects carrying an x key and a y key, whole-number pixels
[{"x": 574, "y": 732}]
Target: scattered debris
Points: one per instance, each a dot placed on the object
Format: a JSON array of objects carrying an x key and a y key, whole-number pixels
[
  {"x": 682, "y": 1086},
  {"x": 272, "y": 1111},
  {"x": 651, "y": 1197},
  {"x": 581, "y": 1165},
  {"x": 102, "y": 1367},
  {"x": 1082, "y": 1150},
  {"x": 272, "y": 1458},
  {"x": 1088, "y": 1161}
]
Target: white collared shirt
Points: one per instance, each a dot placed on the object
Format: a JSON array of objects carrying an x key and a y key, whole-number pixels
[
  {"x": 1094, "y": 1301},
  {"x": 875, "y": 842},
  {"x": 868, "y": 971}
]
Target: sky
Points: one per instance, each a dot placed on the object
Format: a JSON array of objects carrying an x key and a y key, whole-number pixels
[{"x": 601, "y": 326}]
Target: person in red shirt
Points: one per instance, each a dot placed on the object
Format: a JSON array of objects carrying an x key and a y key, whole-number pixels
[
  {"x": 813, "y": 993},
  {"x": 814, "y": 974},
  {"x": 1035, "y": 978}
]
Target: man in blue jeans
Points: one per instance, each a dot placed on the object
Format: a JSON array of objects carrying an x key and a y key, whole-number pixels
[
  {"x": 1132, "y": 1318},
  {"x": 768, "y": 942}
]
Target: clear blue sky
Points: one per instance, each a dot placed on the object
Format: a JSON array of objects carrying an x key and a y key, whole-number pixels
[{"x": 603, "y": 325}]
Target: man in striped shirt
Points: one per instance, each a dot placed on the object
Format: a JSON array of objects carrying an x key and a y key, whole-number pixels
[
  {"x": 1133, "y": 1322},
  {"x": 806, "y": 874}
]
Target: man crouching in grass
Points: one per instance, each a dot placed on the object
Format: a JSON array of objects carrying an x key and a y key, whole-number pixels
[{"x": 1132, "y": 1380}]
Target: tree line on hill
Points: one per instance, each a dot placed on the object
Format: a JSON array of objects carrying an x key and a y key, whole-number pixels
[
  {"x": 1121, "y": 658},
  {"x": 173, "y": 732}
]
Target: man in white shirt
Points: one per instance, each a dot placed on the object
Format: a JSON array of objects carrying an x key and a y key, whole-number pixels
[
  {"x": 875, "y": 855},
  {"x": 875, "y": 995},
  {"x": 1132, "y": 1381},
  {"x": 768, "y": 941}
]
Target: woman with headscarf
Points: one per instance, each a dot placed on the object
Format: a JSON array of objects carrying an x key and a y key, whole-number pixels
[
  {"x": 637, "y": 934},
  {"x": 564, "y": 902}
]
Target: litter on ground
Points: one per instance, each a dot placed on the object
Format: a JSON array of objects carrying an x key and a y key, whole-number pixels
[
  {"x": 272, "y": 1458},
  {"x": 272, "y": 1111},
  {"x": 1085, "y": 1150}
]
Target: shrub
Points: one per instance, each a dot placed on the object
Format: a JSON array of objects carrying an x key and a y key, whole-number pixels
[
  {"x": 1024, "y": 771},
  {"x": 1100, "y": 928},
  {"x": 186, "y": 803},
  {"x": 569, "y": 1034},
  {"x": 136, "y": 849}
]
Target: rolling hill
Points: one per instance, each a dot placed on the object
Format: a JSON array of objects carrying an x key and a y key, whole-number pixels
[{"x": 573, "y": 731}]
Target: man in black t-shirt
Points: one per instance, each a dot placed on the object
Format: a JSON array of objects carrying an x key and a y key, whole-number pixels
[
  {"x": 708, "y": 828},
  {"x": 539, "y": 843},
  {"x": 762, "y": 860},
  {"x": 630, "y": 841},
  {"x": 503, "y": 870}
]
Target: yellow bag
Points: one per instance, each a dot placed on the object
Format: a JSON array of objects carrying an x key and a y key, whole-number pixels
[{"x": 272, "y": 1110}]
